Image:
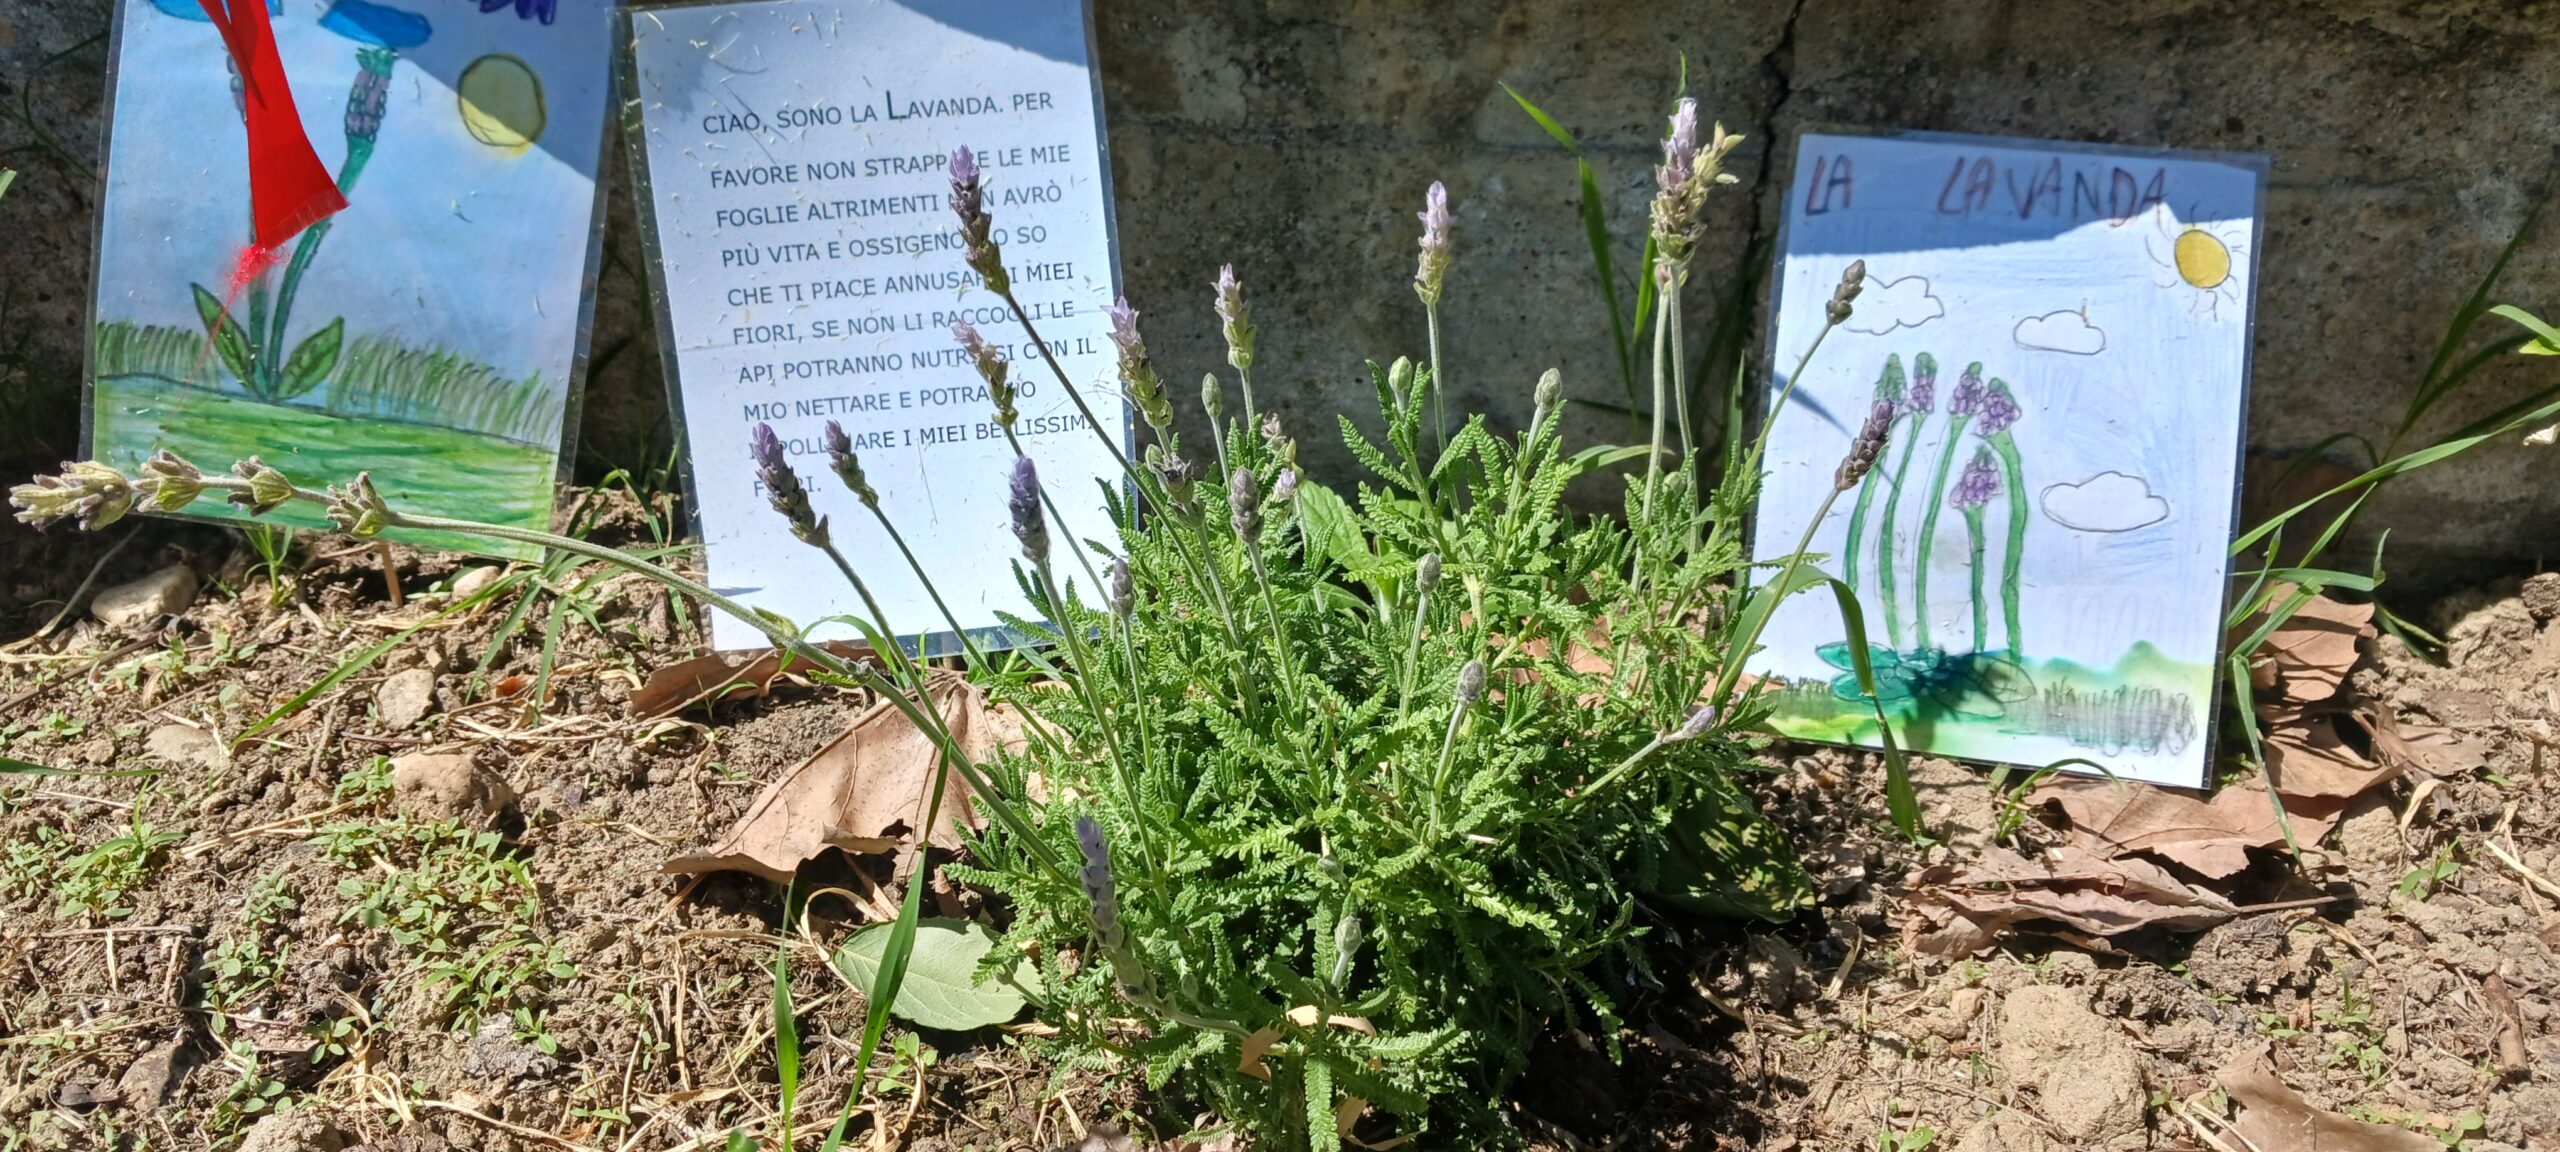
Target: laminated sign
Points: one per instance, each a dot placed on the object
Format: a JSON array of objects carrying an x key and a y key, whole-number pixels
[
  {"x": 796, "y": 161},
  {"x": 2053, "y": 340},
  {"x": 347, "y": 236}
]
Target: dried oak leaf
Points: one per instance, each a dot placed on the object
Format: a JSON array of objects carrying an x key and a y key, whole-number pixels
[
  {"x": 2071, "y": 893},
  {"x": 2275, "y": 1118},
  {"x": 2210, "y": 838},
  {"x": 2316, "y": 647},
  {"x": 866, "y": 790},
  {"x": 713, "y": 678},
  {"x": 2421, "y": 747},
  {"x": 2309, "y": 762}
]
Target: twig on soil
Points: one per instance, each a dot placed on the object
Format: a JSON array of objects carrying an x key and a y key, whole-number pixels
[
  {"x": 2537, "y": 879},
  {"x": 518, "y": 1131},
  {"x": 120, "y": 930},
  {"x": 2185, "y": 1110},
  {"x": 50, "y": 794},
  {"x": 288, "y": 824}
]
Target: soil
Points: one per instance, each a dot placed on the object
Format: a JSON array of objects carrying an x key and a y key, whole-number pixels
[{"x": 2424, "y": 1005}]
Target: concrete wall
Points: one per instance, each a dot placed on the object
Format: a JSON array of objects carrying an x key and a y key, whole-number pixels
[{"x": 1294, "y": 138}]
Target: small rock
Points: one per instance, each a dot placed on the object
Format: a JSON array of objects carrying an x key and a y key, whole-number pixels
[
  {"x": 447, "y": 785},
  {"x": 298, "y": 1131},
  {"x": 2087, "y": 1076},
  {"x": 96, "y": 752},
  {"x": 1957, "y": 1020},
  {"x": 494, "y": 1053},
  {"x": 405, "y": 698},
  {"x": 166, "y": 592},
  {"x": 474, "y": 581},
  {"x": 147, "y": 1081},
  {"x": 185, "y": 744},
  {"x": 2541, "y": 595}
]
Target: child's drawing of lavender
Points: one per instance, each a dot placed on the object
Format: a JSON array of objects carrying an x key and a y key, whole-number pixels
[
  {"x": 1999, "y": 411},
  {"x": 1889, "y": 390},
  {"x": 1963, "y": 405},
  {"x": 1975, "y": 488}
]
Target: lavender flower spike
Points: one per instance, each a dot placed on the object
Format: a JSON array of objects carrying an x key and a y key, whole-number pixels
[
  {"x": 782, "y": 486},
  {"x": 1433, "y": 266},
  {"x": 969, "y": 203},
  {"x": 1121, "y": 588},
  {"x": 1244, "y": 504},
  {"x": 848, "y": 467},
  {"x": 1923, "y": 396},
  {"x": 991, "y": 367},
  {"x": 1866, "y": 447},
  {"x": 1680, "y": 148},
  {"x": 1235, "y": 323},
  {"x": 1688, "y": 170},
  {"x": 1022, "y": 499},
  {"x": 1099, "y": 888},
  {"x": 1285, "y": 489},
  {"x": 1137, "y": 373}
]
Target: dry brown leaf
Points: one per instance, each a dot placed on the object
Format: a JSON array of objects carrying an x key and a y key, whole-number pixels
[
  {"x": 2275, "y": 1118},
  {"x": 865, "y": 791},
  {"x": 2090, "y": 898},
  {"x": 2421, "y": 747},
  {"x": 714, "y": 678},
  {"x": 2318, "y": 645},
  {"x": 1249, "y": 1056},
  {"x": 2210, "y": 838},
  {"x": 2309, "y": 762}
]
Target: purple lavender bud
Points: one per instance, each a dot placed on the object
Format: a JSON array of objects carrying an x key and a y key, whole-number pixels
[
  {"x": 1700, "y": 719},
  {"x": 782, "y": 486},
  {"x": 1853, "y": 280},
  {"x": 1023, "y": 501},
  {"x": 848, "y": 468},
  {"x": 1433, "y": 267},
  {"x": 1275, "y": 437},
  {"x": 1866, "y": 446},
  {"x": 1121, "y": 588},
  {"x": 1426, "y": 571},
  {"x": 1977, "y": 484},
  {"x": 1137, "y": 373},
  {"x": 1244, "y": 505},
  {"x": 1099, "y": 889},
  {"x": 1470, "y": 683},
  {"x": 1680, "y": 149},
  {"x": 969, "y": 203},
  {"x": 1234, "y": 322},
  {"x": 1285, "y": 489},
  {"x": 1999, "y": 409},
  {"x": 991, "y": 368}
]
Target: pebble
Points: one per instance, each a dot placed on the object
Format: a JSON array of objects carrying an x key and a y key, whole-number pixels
[
  {"x": 185, "y": 744},
  {"x": 447, "y": 785},
  {"x": 473, "y": 582},
  {"x": 166, "y": 592},
  {"x": 405, "y": 698}
]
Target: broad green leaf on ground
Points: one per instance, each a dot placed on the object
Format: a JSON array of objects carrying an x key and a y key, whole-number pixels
[{"x": 941, "y": 989}]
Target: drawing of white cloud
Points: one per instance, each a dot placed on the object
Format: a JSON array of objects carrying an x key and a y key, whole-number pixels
[
  {"x": 2106, "y": 502},
  {"x": 1904, "y": 303},
  {"x": 2066, "y": 331}
]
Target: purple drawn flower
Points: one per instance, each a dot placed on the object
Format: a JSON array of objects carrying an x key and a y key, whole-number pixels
[
  {"x": 1966, "y": 400},
  {"x": 1977, "y": 484},
  {"x": 1923, "y": 395},
  {"x": 1999, "y": 410}
]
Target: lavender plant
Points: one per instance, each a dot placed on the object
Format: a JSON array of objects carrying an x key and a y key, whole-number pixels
[{"x": 1339, "y": 802}]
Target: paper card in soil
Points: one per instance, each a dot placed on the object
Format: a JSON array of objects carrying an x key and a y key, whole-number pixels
[
  {"x": 432, "y": 333},
  {"x": 2062, "y": 332},
  {"x": 793, "y": 160}
]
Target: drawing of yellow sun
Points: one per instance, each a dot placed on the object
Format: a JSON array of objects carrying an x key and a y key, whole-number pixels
[
  {"x": 2202, "y": 259},
  {"x": 501, "y": 102}
]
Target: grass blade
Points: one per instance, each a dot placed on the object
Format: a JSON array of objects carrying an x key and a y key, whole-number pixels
[
  {"x": 893, "y": 970},
  {"x": 12, "y": 766},
  {"x": 1901, "y": 800},
  {"x": 786, "y": 1024}
]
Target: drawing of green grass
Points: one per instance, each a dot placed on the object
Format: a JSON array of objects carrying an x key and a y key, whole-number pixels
[
  {"x": 445, "y": 471},
  {"x": 376, "y": 379}
]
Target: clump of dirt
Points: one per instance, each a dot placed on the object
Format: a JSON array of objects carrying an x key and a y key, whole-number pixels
[{"x": 269, "y": 939}]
